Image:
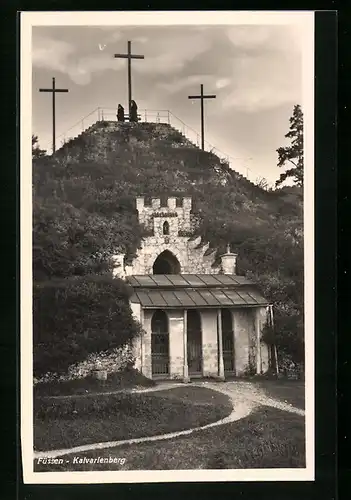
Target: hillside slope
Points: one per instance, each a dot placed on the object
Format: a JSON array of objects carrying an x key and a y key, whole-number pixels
[{"x": 84, "y": 210}]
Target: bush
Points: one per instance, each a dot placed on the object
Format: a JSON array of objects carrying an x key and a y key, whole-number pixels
[
  {"x": 111, "y": 361},
  {"x": 79, "y": 316}
]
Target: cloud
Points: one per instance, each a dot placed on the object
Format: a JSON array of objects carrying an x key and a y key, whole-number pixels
[
  {"x": 179, "y": 84},
  {"x": 174, "y": 53},
  {"x": 51, "y": 54},
  {"x": 222, "y": 83},
  {"x": 262, "y": 83},
  {"x": 62, "y": 56},
  {"x": 252, "y": 67},
  {"x": 81, "y": 70},
  {"x": 264, "y": 68},
  {"x": 265, "y": 38}
]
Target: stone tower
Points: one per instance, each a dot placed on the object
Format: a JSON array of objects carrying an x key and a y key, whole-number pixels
[{"x": 170, "y": 246}]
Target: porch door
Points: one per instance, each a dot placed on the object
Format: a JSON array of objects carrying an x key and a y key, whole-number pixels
[
  {"x": 228, "y": 341},
  {"x": 194, "y": 346},
  {"x": 159, "y": 344}
]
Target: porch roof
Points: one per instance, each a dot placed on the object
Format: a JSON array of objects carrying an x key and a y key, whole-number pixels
[
  {"x": 194, "y": 291},
  {"x": 187, "y": 280}
]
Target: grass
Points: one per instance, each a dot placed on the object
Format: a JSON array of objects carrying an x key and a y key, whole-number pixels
[
  {"x": 75, "y": 421},
  {"x": 286, "y": 391},
  {"x": 268, "y": 438},
  {"x": 90, "y": 385}
]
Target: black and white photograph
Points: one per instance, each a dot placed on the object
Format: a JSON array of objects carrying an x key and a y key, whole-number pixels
[{"x": 167, "y": 246}]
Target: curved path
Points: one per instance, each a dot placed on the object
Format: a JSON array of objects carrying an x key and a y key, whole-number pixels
[{"x": 244, "y": 396}]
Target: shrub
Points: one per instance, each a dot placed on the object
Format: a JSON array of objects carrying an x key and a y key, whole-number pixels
[
  {"x": 112, "y": 361},
  {"x": 77, "y": 317}
]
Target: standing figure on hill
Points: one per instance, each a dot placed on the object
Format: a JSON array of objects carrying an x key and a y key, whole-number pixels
[
  {"x": 120, "y": 113},
  {"x": 133, "y": 112}
]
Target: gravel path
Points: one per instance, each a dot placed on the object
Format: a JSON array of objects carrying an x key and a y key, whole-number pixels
[{"x": 245, "y": 397}]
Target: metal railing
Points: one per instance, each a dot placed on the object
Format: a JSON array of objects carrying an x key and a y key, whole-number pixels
[{"x": 160, "y": 116}]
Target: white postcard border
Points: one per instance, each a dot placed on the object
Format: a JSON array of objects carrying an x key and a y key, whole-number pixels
[{"x": 305, "y": 21}]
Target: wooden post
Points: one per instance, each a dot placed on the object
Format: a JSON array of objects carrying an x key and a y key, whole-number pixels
[
  {"x": 220, "y": 345},
  {"x": 185, "y": 350},
  {"x": 258, "y": 342},
  {"x": 142, "y": 347},
  {"x": 271, "y": 322}
]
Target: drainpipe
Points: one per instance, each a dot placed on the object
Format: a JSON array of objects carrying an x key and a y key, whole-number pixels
[
  {"x": 142, "y": 368},
  {"x": 185, "y": 349}
]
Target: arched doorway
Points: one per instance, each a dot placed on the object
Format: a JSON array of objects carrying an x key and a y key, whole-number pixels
[
  {"x": 159, "y": 344},
  {"x": 194, "y": 347},
  {"x": 228, "y": 341},
  {"x": 166, "y": 263}
]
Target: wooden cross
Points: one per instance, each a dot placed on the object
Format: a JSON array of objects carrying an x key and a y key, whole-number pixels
[
  {"x": 53, "y": 90},
  {"x": 129, "y": 56},
  {"x": 202, "y": 97}
]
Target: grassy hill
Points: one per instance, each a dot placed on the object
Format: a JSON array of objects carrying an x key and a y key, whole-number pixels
[{"x": 84, "y": 210}]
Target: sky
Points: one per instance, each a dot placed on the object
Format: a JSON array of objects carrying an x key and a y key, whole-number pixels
[{"x": 254, "y": 70}]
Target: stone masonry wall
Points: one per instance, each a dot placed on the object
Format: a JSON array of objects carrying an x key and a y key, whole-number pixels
[
  {"x": 146, "y": 213},
  {"x": 188, "y": 250}
]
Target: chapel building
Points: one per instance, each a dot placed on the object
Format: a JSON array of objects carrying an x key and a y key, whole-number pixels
[{"x": 199, "y": 318}]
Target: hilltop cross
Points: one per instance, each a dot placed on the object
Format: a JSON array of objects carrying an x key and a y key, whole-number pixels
[
  {"x": 53, "y": 90},
  {"x": 129, "y": 56},
  {"x": 202, "y": 97}
]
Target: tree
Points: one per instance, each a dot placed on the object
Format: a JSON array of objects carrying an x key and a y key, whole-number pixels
[
  {"x": 76, "y": 316},
  {"x": 36, "y": 151},
  {"x": 293, "y": 154}
]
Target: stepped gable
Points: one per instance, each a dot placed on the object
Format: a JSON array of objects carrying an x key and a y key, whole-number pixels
[{"x": 170, "y": 245}]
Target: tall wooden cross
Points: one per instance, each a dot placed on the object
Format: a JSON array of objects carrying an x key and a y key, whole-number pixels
[
  {"x": 53, "y": 90},
  {"x": 129, "y": 56},
  {"x": 202, "y": 97}
]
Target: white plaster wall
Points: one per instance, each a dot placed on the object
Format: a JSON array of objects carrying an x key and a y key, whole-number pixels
[
  {"x": 242, "y": 323},
  {"x": 209, "y": 342},
  {"x": 146, "y": 368},
  {"x": 137, "y": 342},
  {"x": 265, "y": 356},
  {"x": 176, "y": 343}
]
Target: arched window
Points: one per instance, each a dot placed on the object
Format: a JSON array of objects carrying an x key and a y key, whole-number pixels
[
  {"x": 166, "y": 263},
  {"x": 228, "y": 340},
  {"x": 159, "y": 344},
  {"x": 165, "y": 229},
  {"x": 194, "y": 345},
  {"x": 159, "y": 322}
]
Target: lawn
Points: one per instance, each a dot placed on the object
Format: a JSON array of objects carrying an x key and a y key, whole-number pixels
[
  {"x": 268, "y": 438},
  {"x": 116, "y": 381},
  {"x": 286, "y": 391},
  {"x": 74, "y": 421}
]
